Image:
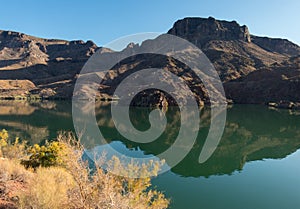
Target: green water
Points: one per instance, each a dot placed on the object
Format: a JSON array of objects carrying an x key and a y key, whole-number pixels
[{"x": 255, "y": 166}]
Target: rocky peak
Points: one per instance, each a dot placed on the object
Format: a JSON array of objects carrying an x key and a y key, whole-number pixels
[{"x": 201, "y": 30}]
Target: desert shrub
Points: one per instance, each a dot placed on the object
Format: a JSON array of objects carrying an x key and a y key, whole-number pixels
[
  {"x": 101, "y": 188},
  {"x": 11, "y": 170},
  {"x": 3, "y": 137},
  {"x": 44, "y": 156},
  {"x": 124, "y": 191},
  {"x": 3, "y": 140},
  {"x": 9, "y": 149},
  {"x": 47, "y": 190},
  {"x": 13, "y": 177},
  {"x": 62, "y": 179}
]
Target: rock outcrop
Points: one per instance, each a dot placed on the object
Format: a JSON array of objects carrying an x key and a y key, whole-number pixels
[{"x": 202, "y": 30}]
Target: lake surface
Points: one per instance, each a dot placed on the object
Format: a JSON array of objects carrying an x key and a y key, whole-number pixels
[{"x": 255, "y": 166}]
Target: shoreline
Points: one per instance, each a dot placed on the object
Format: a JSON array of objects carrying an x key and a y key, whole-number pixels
[{"x": 290, "y": 105}]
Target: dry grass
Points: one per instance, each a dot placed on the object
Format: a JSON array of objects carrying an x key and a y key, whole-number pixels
[
  {"x": 13, "y": 179},
  {"x": 11, "y": 170},
  {"x": 48, "y": 189}
]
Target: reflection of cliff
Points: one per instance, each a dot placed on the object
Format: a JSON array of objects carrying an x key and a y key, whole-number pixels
[
  {"x": 26, "y": 131},
  {"x": 35, "y": 122},
  {"x": 251, "y": 133},
  {"x": 15, "y": 108}
]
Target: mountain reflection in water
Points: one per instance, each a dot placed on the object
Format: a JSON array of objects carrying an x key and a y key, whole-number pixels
[{"x": 251, "y": 133}]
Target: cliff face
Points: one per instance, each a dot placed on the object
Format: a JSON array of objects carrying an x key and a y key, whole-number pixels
[
  {"x": 202, "y": 30},
  {"x": 253, "y": 69}
]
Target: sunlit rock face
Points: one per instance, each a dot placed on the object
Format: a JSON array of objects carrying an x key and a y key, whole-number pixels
[{"x": 202, "y": 30}]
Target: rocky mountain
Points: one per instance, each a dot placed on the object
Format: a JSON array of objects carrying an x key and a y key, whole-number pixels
[
  {"x": 30, "y": 65},
  {"x": 253, "y": 69},
  {"x": 230, "y": 47}
]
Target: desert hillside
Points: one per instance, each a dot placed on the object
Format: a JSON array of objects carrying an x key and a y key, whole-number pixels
[{"x": 253, "y": 69}]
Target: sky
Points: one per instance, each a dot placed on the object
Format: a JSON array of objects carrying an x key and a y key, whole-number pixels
[{"x": 106, "y": 20}]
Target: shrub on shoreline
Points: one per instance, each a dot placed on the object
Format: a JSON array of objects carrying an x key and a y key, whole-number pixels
[{"x": 58, "y": 177}]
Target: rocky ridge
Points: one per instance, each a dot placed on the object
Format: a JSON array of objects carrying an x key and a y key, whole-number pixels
[
  {"x": 47, "y": 63},
  {"x": 253, "y": 69}
]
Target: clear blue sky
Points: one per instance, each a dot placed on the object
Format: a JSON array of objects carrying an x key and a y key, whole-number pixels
[{"x": 105, "y": 20}]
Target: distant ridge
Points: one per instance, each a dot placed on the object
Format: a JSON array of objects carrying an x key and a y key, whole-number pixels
[{"x": 253, "y": 69}]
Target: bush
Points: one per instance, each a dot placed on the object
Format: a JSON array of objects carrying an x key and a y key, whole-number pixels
[
  {"x": 13, "y": 178},
  {"x": 11, "y": 150},
  {"x": 103, "y": 189},
  {"x": 62, "y": 179},
  {"x": 3, "y": 141},
  {"x": 44, "y": 156},
  {"x": 11, "y": 170},
  {"x": 3, "y": 137},
  {"x": 48, "y": 189}
]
